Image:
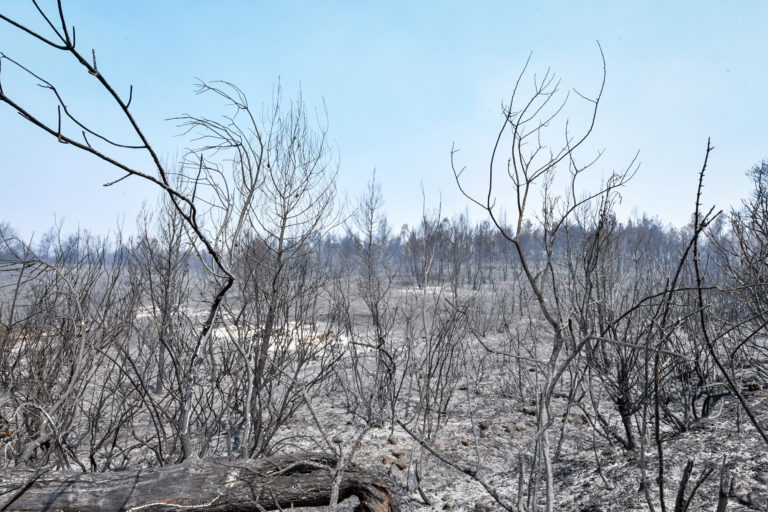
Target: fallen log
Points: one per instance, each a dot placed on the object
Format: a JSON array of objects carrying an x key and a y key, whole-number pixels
[{"x": 272, "y": 483}]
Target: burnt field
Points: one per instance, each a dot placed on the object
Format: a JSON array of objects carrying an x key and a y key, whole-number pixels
[{"x": 260, "y": 341}]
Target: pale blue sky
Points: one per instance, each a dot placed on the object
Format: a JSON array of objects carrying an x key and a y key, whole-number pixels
[{"x": 402, "y": 81}]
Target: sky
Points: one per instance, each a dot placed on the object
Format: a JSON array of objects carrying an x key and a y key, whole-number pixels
[{"x": 402, "y": 83}]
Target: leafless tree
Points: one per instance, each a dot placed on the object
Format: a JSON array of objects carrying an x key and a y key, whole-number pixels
[
  {"x": 251, "y": 201},
  {"x": 533, "y": 163},
  {"x": 374, "y": 271},
  {"x": 67, "y": 128},
  {"x": 270, "y": 180},
  {"x": 67, "y": 308}
]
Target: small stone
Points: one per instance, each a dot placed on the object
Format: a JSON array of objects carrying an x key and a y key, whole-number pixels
[
  {"x": 388, "y": 460},
  {"x": 392, "y": 439},
  {"x": 577, "y": 419},
  {"x": 511, "y": 428},
  {"x": 752, "y": 496},
  {"x": 529, "y": 410},
  {"x": 481, "y": 507},
  {"x": 402, "y": 462},
  {"x": 466, "y": 442},
  {"x": 740, "y": 488}
]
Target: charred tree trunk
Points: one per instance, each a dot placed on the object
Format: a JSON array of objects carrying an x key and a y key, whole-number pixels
[{"x": 264, "y": 484}]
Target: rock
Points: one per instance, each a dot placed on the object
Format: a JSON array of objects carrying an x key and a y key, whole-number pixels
[
  {"x": 392, "y": 439},
  {"x": 448, "y": 505},
  {"x": 739, "y": 488},
  {"x": 402, "y": 462},
  {"x": 755, "y": 501},
  {"x": 511, "y": 428},
  {"x": 397, "y": 459},
  {"x": 591, "y": 508},
  {"x": 530, "y": 410},
  {"x": 466, "y": 442},
  {"x": 754, "y": 497},
  {"x": 577, "y": 419},
  {"x": 481, "y": 507}
]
